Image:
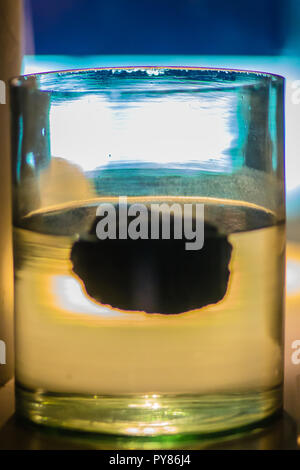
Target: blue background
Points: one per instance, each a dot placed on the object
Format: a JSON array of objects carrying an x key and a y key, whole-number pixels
[{"x": 159, "y": 26}]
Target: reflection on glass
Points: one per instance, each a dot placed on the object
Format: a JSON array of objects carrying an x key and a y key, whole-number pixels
[{"x": 141, "y": 337}]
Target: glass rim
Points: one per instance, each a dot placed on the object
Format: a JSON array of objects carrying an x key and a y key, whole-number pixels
[{"x": 151, "y": 71}]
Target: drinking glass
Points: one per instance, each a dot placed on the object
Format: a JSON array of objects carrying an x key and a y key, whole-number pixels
[{"x": 127, "y": 328}]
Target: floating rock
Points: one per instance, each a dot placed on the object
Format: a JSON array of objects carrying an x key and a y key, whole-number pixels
[{"x": 154, "y": 276}]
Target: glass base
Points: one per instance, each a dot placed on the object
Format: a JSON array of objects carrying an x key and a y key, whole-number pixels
[{"x": 148, "y": 415}]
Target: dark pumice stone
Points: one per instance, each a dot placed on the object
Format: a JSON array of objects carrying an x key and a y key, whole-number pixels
[{"x": 155, "y": 276}]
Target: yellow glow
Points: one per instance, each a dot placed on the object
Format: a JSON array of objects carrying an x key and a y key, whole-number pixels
[
  {"x": 134, "y": 431},
  {"x": 155, "y": 406},
  {"x": 150, "y": 430},
  {"x": 293, "y": 271},
  {"x": 147, "y": 404},
  {"x": 145, "y": 199},
  {"x": 161, "y": 428},
  {"x": 70, "y": 296},
  {"x": 61, "y": 182}
]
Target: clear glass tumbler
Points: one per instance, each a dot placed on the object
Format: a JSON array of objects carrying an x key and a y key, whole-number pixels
[{"x": 130, "y": 329}]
